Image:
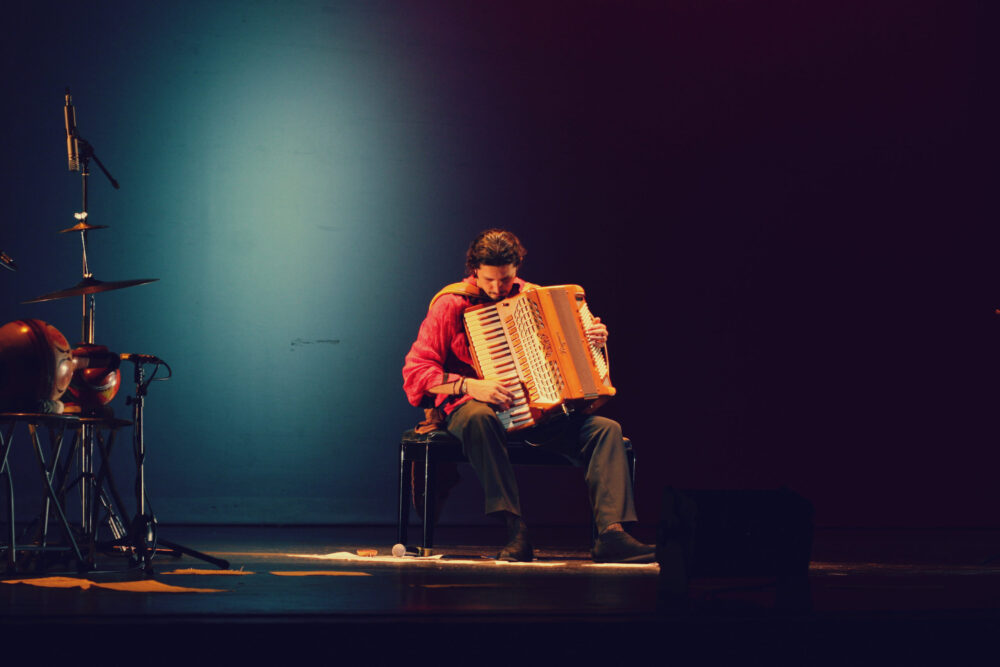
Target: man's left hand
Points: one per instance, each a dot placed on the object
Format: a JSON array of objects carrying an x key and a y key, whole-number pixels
[{"x": 597, "y": 333}]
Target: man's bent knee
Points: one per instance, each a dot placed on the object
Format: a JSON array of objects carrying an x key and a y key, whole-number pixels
[{"x": 474, "y": 416}]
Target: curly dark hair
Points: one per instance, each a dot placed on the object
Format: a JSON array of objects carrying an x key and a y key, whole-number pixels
[{"x": 494, "y": 247}]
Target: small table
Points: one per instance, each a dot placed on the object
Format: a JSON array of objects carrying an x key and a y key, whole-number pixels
[{"x": 55, "y": 478}]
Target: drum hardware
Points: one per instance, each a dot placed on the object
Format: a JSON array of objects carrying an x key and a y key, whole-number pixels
[
  {"x": 141, "y": 535},
  {"x": 90, "y": 285},
  {"x": 56, "y": 426},
  {"x": 79, "y": 153},
  {"x": 82, "y": 226},
  {"x": 7, "y": 262}
]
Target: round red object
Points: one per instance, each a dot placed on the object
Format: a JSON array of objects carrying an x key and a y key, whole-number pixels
[
  {"x": 35, "y": 364},
  {"x": 97, "y": 383}
]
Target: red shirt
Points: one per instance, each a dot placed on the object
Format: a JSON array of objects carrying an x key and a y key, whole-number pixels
[{"x": 440, "y": 354}]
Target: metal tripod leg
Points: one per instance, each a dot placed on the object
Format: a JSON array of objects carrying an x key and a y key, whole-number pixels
[
  {"x": 143, "y": 528},
  {"x": 106, "y": 497},
  {"x": 46, "y": 470},
  {"x": 5, "y": 442},
  {"x": 218, "y": 562}
]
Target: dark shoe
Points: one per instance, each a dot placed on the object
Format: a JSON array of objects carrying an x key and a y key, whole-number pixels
[
  {"x": 518, "y": 550},
  {"x": 617, "y": 546},
  {"x": 518, "y": 547}
]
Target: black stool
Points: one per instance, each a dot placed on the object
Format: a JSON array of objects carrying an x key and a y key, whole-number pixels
[{"x": 442, "y": 447}]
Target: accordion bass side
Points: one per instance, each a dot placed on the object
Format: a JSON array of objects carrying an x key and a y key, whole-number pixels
[{"x": 534, "y": 343}]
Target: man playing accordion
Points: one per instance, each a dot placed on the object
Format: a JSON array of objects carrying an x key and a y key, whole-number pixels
[{"x": 439, "y": 369}]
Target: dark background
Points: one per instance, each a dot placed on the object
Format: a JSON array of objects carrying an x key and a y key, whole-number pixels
[{"x": 783, "y": 211}]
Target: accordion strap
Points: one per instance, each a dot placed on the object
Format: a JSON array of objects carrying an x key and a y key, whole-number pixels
[
  {"x": 469, "y": 291},
  {"x": 461, "y": 289}
]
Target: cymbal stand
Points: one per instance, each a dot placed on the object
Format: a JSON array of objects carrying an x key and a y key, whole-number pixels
[
  {"x": 87, "y": 433},
  {"x": 144, "y": 535},
  {"x": 86, "y": 154},
  {"x": 92, "y": 493}
]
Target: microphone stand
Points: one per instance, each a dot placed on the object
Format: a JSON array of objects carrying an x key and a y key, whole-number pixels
[
  {"x": 144, "y": 526},
  {"x": 87, "y": 153}
]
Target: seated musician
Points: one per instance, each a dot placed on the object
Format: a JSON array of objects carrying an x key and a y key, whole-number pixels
[{"x": 439, "y": 369}]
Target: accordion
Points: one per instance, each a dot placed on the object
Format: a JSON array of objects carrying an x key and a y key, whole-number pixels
[{"x": 534, "y": 343}]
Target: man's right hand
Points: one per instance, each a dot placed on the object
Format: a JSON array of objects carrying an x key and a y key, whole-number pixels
[{"x": 489, "y": 391}]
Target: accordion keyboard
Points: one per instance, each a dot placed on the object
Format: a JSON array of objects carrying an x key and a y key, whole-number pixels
[{"x": 523, "y": 342}]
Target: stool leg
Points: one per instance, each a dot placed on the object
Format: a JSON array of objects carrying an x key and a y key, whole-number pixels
[
  {"x": 404, "y": 500},
  {"x": 428, "y": 541}
]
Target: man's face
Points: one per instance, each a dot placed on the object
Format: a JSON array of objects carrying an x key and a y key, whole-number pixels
[{"x": 496, "y": 281}]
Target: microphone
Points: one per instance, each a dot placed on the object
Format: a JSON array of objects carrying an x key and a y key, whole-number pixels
[
  {"x": 95, "y": 356},
  {"x": 7, "y": 262},
  {"x": 72, "y": 145},
  {"x": 140, "y": 358}
]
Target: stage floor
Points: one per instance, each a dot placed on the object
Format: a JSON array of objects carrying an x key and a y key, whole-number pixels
[{"x": 909, "y": 593}]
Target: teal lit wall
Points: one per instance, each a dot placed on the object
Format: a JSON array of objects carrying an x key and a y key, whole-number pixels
[
  {"x": 778, "y": 208},
  {"x": 296, "y": 177}
]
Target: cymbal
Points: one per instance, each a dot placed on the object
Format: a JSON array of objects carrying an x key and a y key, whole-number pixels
[
  {"x": 81, "y": 227},
  {"x": 90, "y": 286}
]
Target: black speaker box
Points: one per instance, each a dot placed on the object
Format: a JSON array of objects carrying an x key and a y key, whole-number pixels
[{"x": 734, "y": 533}]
